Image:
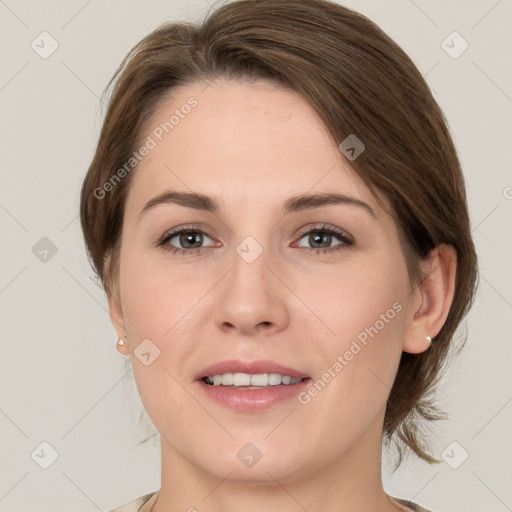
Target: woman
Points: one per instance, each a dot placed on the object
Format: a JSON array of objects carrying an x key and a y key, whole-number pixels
[{"x": 277, "y": 213}]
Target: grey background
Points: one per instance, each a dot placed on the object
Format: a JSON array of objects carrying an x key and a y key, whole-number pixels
[{"x": 61, "y": 378}]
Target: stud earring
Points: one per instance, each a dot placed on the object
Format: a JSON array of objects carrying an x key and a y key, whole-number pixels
[
  {"x": 429, "y": 339},
  {"x": 121, "y": 342}
]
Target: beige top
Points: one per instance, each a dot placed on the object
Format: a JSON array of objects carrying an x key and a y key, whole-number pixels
[{"x": 144, "y": 504}]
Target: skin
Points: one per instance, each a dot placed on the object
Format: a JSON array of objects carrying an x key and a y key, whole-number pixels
[{"x": 252, "y": 146}]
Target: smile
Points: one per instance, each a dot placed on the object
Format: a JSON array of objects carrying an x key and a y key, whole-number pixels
[{"x": 250, "y": 381}]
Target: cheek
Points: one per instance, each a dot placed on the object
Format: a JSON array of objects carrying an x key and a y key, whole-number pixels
[
  {"x": 160, "y": 307},
  {"x": 365, "y": 294},
  {"x": 364, "y": 312},
  {"x": 157, "y": 300}
]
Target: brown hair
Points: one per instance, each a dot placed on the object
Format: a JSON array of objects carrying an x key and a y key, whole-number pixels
[{"x": 360, "y": 82}]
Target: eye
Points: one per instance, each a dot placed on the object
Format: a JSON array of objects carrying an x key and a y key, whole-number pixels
[
  {"x": 324, "y": 239},
  {"x": 190, "y": 240},
  {"x": 184, "y": 240}
]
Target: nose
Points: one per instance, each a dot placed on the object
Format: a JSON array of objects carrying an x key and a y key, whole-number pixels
[{"x": 252, "y": 299}]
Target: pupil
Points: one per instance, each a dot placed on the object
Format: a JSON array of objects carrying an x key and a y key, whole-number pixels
[
  {"x": 319, "y": 238},
  {"x": 194, "y": 239}
]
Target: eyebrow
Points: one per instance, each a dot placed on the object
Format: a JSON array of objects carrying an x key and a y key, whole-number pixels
[{"x": 295, "y": 204}]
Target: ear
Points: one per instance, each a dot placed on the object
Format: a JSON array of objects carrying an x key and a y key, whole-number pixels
[
  {"x": 116, "y": 310},
  {"x": 432, "y": 299}
]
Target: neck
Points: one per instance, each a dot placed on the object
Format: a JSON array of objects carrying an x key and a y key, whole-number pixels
[{"x": 348, "y": 483}]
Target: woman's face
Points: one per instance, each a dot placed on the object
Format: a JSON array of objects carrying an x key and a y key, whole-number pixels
[{"x": 266, "y": 278}]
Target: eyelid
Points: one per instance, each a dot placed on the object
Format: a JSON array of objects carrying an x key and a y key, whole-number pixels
[
  {"x": 186, "y": 227},
  {"x": 326, "y": 227}
]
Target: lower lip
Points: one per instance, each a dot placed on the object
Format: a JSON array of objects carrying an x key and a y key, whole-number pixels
[{"x": 247, "y": 400}]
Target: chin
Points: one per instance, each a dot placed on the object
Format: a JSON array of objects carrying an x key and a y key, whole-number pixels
[{"x": 252, "y": 460}]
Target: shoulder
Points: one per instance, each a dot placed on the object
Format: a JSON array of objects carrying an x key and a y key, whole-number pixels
[
  {"x": 413, "y": 506},
  {"x": 135, "y": 505}
]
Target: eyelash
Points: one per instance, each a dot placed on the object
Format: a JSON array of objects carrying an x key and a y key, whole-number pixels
[{"x": 345, "y": 239}]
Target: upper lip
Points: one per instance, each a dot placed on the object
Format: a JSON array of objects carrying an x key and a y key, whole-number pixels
[{"x": 253, "y": 367}]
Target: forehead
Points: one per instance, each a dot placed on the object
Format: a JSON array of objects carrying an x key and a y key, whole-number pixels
[{"x": 245, "y": 143}]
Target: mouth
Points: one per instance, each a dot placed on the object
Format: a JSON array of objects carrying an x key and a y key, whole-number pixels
[
  {"x": 251, "y": 381},
  {"x": 255, "y": 373},
  {"x": 251, "y": 386}
]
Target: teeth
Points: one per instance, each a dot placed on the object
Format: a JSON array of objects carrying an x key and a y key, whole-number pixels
[
  {"x": 227, "y": 379},
  {"x": 274, "y": 379},
  {"x": 260, "y": 379},
  {"x": 240, "y": 379},
  {"x": 246, "y": 379}
]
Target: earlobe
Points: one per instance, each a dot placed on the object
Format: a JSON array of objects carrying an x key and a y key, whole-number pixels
[
  {"x": 117, "y": 319},
  {"x": 122, "y": 345},
  {"x": 116, "y": 310},
  {"x": 433, "y": 299}
]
